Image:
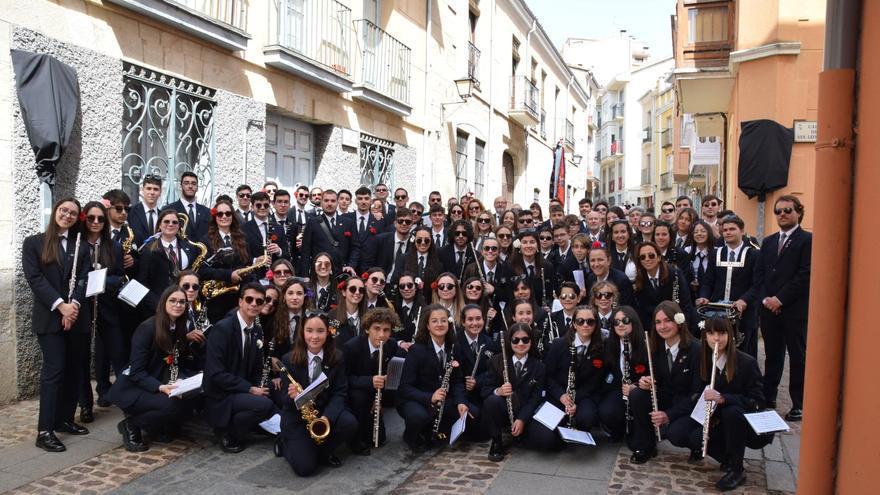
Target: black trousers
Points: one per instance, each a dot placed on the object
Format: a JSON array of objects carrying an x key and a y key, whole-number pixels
[
  {"x": 300, "y": 450},
  {"x": 642, "y": 434},
  {"x": 587, "y": 414},
  {"x": 111, "y": 350},
  {"x": 781, "y": 334},
  {"x": 748, "y": 325},
  {"x": 156, "y": 412},
  {"x": 248, "y": 410},
  {"x": 362, "y": 402},
  {"x": 729, "y": 436},
  {"x": 60, "y": 376},
  {"x": 534, "y": 436},
  {"x": 419, "y": 420},
  {"x": 612, "y": 414}
]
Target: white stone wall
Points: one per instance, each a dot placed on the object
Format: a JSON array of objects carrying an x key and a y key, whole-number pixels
[{"x": 239, "y": 127}]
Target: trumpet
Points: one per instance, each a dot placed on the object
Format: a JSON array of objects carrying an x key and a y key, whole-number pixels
[
  {"x": 710, "y": 406},
  {"x": 318, "y": 427},
  {"x": 653, "y": 385},
  {"x": 377, "y": 403}
]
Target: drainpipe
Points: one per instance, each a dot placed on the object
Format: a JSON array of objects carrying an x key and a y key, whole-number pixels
[
  {"x": 488, "y": 152},
  {"x": 526, "y": 131},
  {"x": 828, "y": 323},
  {"x": 425, "y": 130}
]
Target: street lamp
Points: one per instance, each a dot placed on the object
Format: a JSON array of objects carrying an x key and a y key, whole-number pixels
[
  {"x": 464, "y": 86},
  {"x": 576, "y": 159}
]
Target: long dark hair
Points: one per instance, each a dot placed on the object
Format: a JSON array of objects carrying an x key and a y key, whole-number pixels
[
  {"x": 670, "y": 309},
  {"x": 638, "y": 354},
  {"x": 642, "y": 279},
  {"x": 49, "y": 253},
  {"x": 483, "y": 301},
  {"x": 163, "y": 337},
  {"x": 710, "y": 239},
  {"x": 299, "y": 355},
  {"x": 239, "y": 243},
  {"x": 341, "y": 311},
  {"x": 105, "y": 247},
  {"x": 595, "y": 337},
  {"x": 282, "y": 312},
  {"x": 423, "y": 336},
  {"x": 519, "y": 327},
  {"x": 717, "y": 325}
]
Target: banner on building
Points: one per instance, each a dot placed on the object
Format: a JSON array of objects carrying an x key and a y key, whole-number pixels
[{"x": 557, "y": 175}]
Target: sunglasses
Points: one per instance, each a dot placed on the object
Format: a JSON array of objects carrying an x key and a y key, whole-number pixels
[
  {"x": 399, "y": 197},
  {"x": 259, "y": 301},
  {"x": 282, "y": 272},
  {"x": 120, "y": 209},
  {"x": 785, "y": 210},
  {"x": 604, "y": 295},
  {"x": 646, "y": 224},
  {"x": 261, "y": 206},
  {"x": 568, "y": 297},
  {"x": 459, "y": 233},
  {"x": 524, "y": 220},
  {"x": 545, "y": 238},
  {"x": 381, "y": 189},
  {"x": 647, "y": 256},
  {"x": 406, "y": 286},
  {"x": 520, "y": 340},
  {"x": 504, "y": 236},
  {"x": 95, "y": 218},
  {"x": 483, "y": 220},
  {"x": 377, "y": 280},
  {"x": 423, "y": 240},
  {"x": 355, "y": 290},
  {"x": 270, "y": 300},
  {"x": 445, "y": 286},
  {"x": 221, "y": 214},
  {"x": 490, "y": 249},
  {"x": 668, "y": 210},
  {"x": 474, "y": 208},
  {"x": 404, "y": 221},
  {"x": 601, "y": 209},
  {"x": 711, "y": 205},
  {"x": 622, "y": 321},
  {"x": 322, "y": 264},
  {"x": 302, "y": 195},
  {"x": 170, "y": 222},
  {"x": 190, "y": 286},
  {"x": 244, "y": 195},
  {"x": 585, "y": 321},
  {"x": 474, "y": 287}
]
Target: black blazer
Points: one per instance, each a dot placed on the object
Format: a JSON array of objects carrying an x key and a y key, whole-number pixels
[
  {"x": 422, "y": 374},
  {"x": 137, "y": 220},
  {"x": 226, "y": 370},
  {"x": 156, "y": 272},
  {"x": 619, "y": 279},
  {"x": 675, "y": 387},
  {"x": 379, "y": 251},
  {"x": 501, "y": 276},
  {"x": 343, "y": 246},
  {"x": 467, "y": 358},
  {"x": 787, "y": 275},
  {"x": 360, "y": 365},
  {"x": 527, "y": 389},
  {"x": 199, "y": 229},
  {"x": 108, "y": 302},
  {"x": 373, "y": 227},
  {"x": 447, "y": 258},
  {"x": 648, "y": 298},
  {"x": 681, "y": 259},
  {"x": 746, "y": 390},
  {"x": 408, "y": 320},
  {"x": 291, "y": 230},
  {"x": 50, "y": 282},
  {"x": 589, "y": 373},
  {"x": 742, "y": 284},
  {"x": 330, "y": 402},
  {"x": 255, "y": 239}
]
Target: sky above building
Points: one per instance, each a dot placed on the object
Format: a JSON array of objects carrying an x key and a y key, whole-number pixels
[{"x": 646, "y": 20}]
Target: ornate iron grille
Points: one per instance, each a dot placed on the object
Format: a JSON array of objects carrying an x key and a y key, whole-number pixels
[
  {"x": 168, "y": 129},
  {"x": 376, "y": 160}
]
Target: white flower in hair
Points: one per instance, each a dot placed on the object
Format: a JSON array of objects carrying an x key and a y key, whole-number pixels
[
  {"x": 702, "y": 325},
  {"x": 516, "y": 244},
  {"x": 679, "y": 318},
  {"x": 259, "y": 344}
]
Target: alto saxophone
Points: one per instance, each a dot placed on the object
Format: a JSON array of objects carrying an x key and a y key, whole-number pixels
[
  {"x": 318, "y": 427},
  {"x": 444, "y": 385},
  {"x": 203, "y": 250},
  {"x": 215, "y": 288},
  {"x": 129, "y": 240},
  {"x": 570, "y": 389}
]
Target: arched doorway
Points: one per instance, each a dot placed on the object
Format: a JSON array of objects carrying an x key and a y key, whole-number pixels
[{"x": 507, "y": 177}]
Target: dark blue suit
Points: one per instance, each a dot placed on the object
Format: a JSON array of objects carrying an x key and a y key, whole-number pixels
[
  {"x": 199, "y": 229},
  {"x": 342, "y": 244},
  {"x": 619, "y": 279},
  {"x": 137, "y": 220},
  {"x": 255, "y": 239},
  {"x": 361, "y": 367},
  {"x": 422, "y": 375}
]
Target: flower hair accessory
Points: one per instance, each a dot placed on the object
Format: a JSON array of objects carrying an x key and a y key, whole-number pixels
[
  {"x": 82, "y": 216},
  {"x": 269, "y": 275},
  {"x": 434, "y": 285},
  {"x": 340, "y": 285},
  {"x": 702, "y": 325},
  {"x": 214, "y": 212},
  {"x": 105, "y": 202},
  {"x": 679, "y": 318},
  {"x": 516, "y": 244},
  {"x": 259, "y": 344},
  {"x": 365, "y": 275}
]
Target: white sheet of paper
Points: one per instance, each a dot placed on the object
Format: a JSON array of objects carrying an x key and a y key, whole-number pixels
[
  {"x": 187, "y": 385},
  {"x": 312, "y": 390},
  {"x": 579, "y": 279},
  {"x": 457, "y": 428},
  {"x": 97, "y": 282},
  {"x": 133, "y": 292},
  {"x": 766, "y": 422},
  {"x": 549, "y": 415},
  {"x": 576, "y": 436},
  {"x": 699, "y": 412},
  {"x": 394, "y": 372},
  {"x": 556, "y": 306},
  {"x": 272, "y": 425}
]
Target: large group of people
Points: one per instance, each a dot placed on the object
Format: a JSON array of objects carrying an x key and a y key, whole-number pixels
[{"x": 612, "y": 316}]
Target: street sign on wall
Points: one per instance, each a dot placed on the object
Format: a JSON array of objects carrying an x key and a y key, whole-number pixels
[{"x": 805, "y": 131}]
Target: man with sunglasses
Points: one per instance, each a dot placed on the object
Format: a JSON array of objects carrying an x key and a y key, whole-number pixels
[
  {"x": 299, "y": 214},
  {"x": 333, "y": 234},
  {"x": 601, "y": 270},
  {"x": 234, "y": 401},
  {"x": 199, "y": 214},
  {"x": 455, "y": 256},
  {"x": 388, "y": 250},
  {"x": 667, "y": 213},
  {"x": 783, "y": 275},
  {"x": 525, "y": 220},
  {"x": 143, "y": 217},
  {"x": 401, "y": 197},
  {"x": 709, "y": 211},
  {"x": 381, "y": 192},
  {"x": 263, "y": 234},
  {"x": 243, "y": 211}
]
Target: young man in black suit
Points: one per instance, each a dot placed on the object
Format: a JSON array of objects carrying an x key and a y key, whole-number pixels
[
  {"x": 368, "y": 226},
  {"x": 234, "y": 403},
  {"x": 456, "y": 255},
  {"x": 783, "y": 275},
  {"x": 381, "y": 191},
  {"x": 437, "y": 217},
  {"x": 282, "y": 219},
  {"x": 244, "y": 211},
  {"x": 144, "y": 216},
  {"x": 262, "y": 232},
  {"x": 199, "y": 215},
  {"x": 331, "y": 233},
  {"x": 388, "y": 250},
  {"x": 299, "y": 213}
]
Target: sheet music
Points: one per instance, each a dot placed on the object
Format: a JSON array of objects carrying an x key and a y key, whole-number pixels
[
  {"x": 699, "y": 412},
  {"x": 272, "y": 425},
  {"x": 457, "y": 428},
  {"x": 549, "y": 415},
  {"x": 97, "y": 282},
  {"x": 133, "y": 292},
  {"x": 576, "y": 436},
  {"x": 187, "y": 385},
  {"x": 394, "y": 372},
  {"x": 766, "y": 422},
  {"x": 312, "y": 391},
  {"x": 579, "y": 279}
]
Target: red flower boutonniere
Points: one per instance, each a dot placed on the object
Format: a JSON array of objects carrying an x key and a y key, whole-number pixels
[
  {"x": 270, "y": 275},
  {"x": 597, "y": 363},
  {"x": 639, "y": 369},
  {"x": 340, "y": 285},
  {"x": 332, "y": 307},
  {"x": 347, "y": 234},
  {"x": 434, "y": 285},
  {"x": 273, "y": 237},
  {"x": 82, "y": 216},
  {"x": 169, "y": 359},
  {"x": 596, "y": 245},
  {"x": 213, "y": 212},
  {"x": 372, "y": 230},
  {"x": 365, "y": 275}
]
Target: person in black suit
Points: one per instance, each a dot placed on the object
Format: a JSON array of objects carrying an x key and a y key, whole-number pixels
[
  {"x": 659, "y": 281},
  {"x": 367, "y": 225},
  {"x": 163, "y": 258},
  {"x": 160, "y": 352},
  {"x": 351, "y": 309},
  {"x": 331, "y": 233},
  {"x": 528, "y": 263},
  {"x": 322, "y": 284},
  {"x": 783, "y": 275},
  {"x": 423, "y": 261},
  {"x": 743, "y": 286},
  {"x": 700, "y": 248},
  {"x": 497, "y": 276},
  {"x": 408, "y": 304},
  {"x": 525, "y": 385},
  {"x": 143, "y": 218},
  {"x": 244, "y": 212},
  {"x": 579, "y": 260},
  {"x": 364, "y": 379},
  {"x": 264, "y": 236},
  {"x": 234, "y": 403},
  {"x": 456, "y": 255},
  {"x": 199, "y": 214},
  {"x": 601, "y": 271},
  {"x": 437, "y": 217},
  {"x": 420, "y": 394},
  {"x": 381, "y": 193},
  {"x": 315, "y": 353},
  {"x": 474, "y": 341},
  {"x": 561, "y": 257},
  {"x": 623, "y": 249},
  {"x": 282, "y": 220},
  {"x": 673, "y": 255},
  {"x": 625, "y": 351},
  {"x": 560, "y": 321},
  {"x": 388, "y": 250},
  {"x": 594, "y": 230},
  {"x": 676, "y": 359},
  {"x": 738, "y": 391},
  {"x": 60, "y": 319}
]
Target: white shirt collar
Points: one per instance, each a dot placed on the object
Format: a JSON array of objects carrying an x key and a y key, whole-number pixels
[
  {"x": 578, "y": 342},
  {"x": 241, "y": 320},
  {"x": 721, "y": 361},
  {"x": 372, "y": 348},
  {"x": 471, "y": 341},
  {"x": 790, "y": 231},
  {"x": 735, "y": 250},
  {"x": 672, "y": 350},
  {"x": 166, "y": 244},
  {"x": 320, "y": 354},
  {"x": 437, "y": 348},
  {"x": 523, "y": 360}
]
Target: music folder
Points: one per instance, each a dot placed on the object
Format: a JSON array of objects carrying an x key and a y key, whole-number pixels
[
  {"x": 394, "y": 372},
  {"x": 766, "y": 422},
  {"x": 312, "y": 391},
  {"x": 186, "y": 386},
  {"x": 133, "y": 292}
]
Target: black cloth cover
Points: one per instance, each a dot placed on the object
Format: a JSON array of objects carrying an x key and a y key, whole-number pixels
[
  {"x": 764, "y": 156},
  {"x": 48, "y": 93}
]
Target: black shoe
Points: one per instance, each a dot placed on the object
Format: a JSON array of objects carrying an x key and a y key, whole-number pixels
[
  {"x": 47, "y": 441},
  {"x": 86, "y": 415},
  {"x": 131, "y": 436},
  {"x": 696, "y": 456},
  {"x": 278, "y": 448},
  {"x": 102, "y": 402},
  {"x": 496, "y": 450},
  {"x": 359, "y": 448},
  {"x": 731, "y": 480},
  {"x": 230, "y": 445},
  {"x": 642, "y": 456},
  {"x": 72, "y": 428},
  {"x": 771, "y": 404},
  {"x": 794, "y": 415},
  {"x": 331, "y": 461}
]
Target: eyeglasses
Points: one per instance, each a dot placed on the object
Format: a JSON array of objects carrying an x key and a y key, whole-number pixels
[
  {"x": 445, "y": 286},
  {"x": 668, "y": 210},
  {"x": 459, "y": 233},
  {"x": 377, "y": 280},
  {"x": 416, "y": 213},
  {"x": 504, "y": 236},
  {"x": 406, "y": 286},
  {"x": 602, "y": 209},
  {"x": 244, "y": 195},
  {"x": 356, "y": 290},
  {"x": 177, "y": 302},
  {"x": 622, "y": 321},
  {"x": 423, "y": 240},
  {"x": 170, "y": 222},
  {"x": 381, "y": 189},
  {"x": 647, "y": 256},
  {"x": 434, "y": 200},
  {"x": 520, "y": 340},
  {"x": 221, "y": 214},
  {"x": 261, "y": 206},
  {"x": 483, "y": 220},
  {"x": 259, "y": 301},
  {"x": 785, "y": 210},
  {"x": 282, "y": 272},
  {"x": 120, "y": 209},
  {"x": 604, "y": 295},
  {"x": 490, "y": 249},
  {"x": 95, "y": 218},
  {"x": 189, "y": 287},
  {"x": 545, "y": 238},
  {"x": 474, "y": 287},
  {"x": 404, "y": 221},
  {"x": 584, "y": 321},
  {"x": 68, "y": 212},
  {"x": 399, "y": 197},
  {"x": 647, "y": 223},
  {"x": 568, "y": 297}
]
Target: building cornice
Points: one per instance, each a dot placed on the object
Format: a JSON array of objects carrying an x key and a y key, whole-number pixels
[{"x": 763, "y": 51}]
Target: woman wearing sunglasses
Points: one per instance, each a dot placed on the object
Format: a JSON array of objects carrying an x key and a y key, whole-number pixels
[
  {"x": 456, "y": 212},
  {"x": 475, "y": 293},
  {"x": 196, "y": 317},
  {"x": 604, "y": 297},
  {"x": 447, "y": 293},
  {"x": 622, "y": 249},
  {"x": 315, "y": 353},
  {"x": 420, "y": 391},
  {"x": 162, "y": 258},
  {"x": 505, "y": 242},
  {"x": 484, "y": 226},
  {"x": 321, "y": 283},
  {"x": 409, "y": 301},
  {"x": 589, "y": 369},
  {"x": 423, "y": 261},
  {"x": 474, "y": 209},
  {"x": 659, "y": 281},
  {"x": 526, "y": 378},
  {"x": 646, "y": 227},
  {"x": 375, "y": 282},
  {"x": 627, "y": 359},
  {"x": 569, "y": 297},
  {"x": 351, "y": 309},
  {"x": 160, "y": 352}
]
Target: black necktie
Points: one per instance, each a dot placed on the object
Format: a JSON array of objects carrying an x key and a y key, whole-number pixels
[
  {"x": 655, "y": 282},
  {"x": 731, "y": 256},
  {"x": 172, "y": 256},
  {"x": 518, "y": 367},
  {"x": 490, "y": 277},
  {"x": 151, "y": 223},
  {"x": 316, "y": 371},
  {"x": 679, "y": 242},
  {"x": 246, "y": 351},
  {"x": 604, "y": 323},
  {"x": 299, "y": 217},
  {"x": 192, "y": 216},
  {"x": 362, "y": 227},
  {"x": 474, "y": 347},
  {"x": 437, "y": 240},
  {"x": 375, "y": 356},
  {"x": 333, "y": 222},
  {"x": 567, "y": 322},
  {"x": 441, "y": 355},
  {"x": 531, "y": 271},
  {"x": 400, "y": 245},
  {"x": 669, "y": 359},
  {"x": 115, "y": 235},
  {"x": 62, "y": 252},
  {"x": 226, "y": 241},
  {"x": 782, "y": 239},
  {"x": 421, "y": 265},
  {"x": 459, "y": 255},
  {"x": 322, "y": 293}
]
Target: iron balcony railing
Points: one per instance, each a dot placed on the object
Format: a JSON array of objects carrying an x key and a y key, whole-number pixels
[
  {"x": 231, "y": 12},
  {"x": 617, "y": 111},
  {"x": 318, "y": 30},
  {"x": 569, "y": 133},
  {"x": 386, "y": 62},
  {"x": 666, "y": 137},
  {"x": 523, "y": 96},
  {"x": 666, "y": 180},
  {"x": 473, "y": 68}
]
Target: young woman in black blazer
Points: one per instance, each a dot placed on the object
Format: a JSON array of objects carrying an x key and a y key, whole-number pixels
[
  {"x": 431, "y": 266},
  {"x": 671, "y": 285},
  {"x": 314, "y": 352},
  {"x": 59, "y": 321},
  {"x": 224, "y": 233},
  {"x": 159, "y": 352},
  {"x": 322, "y": 283},
  {"x": 162, "y": 258},
  {"x": 700, "y": 247},
  {"x": 622, "y": 249},
  {"x": 663, "y": 233},
  {"x": 738, "y": 391},
  {"x": 528, "y": 255},
  {"x": 407, "y": 307},
  {"x": 351, "y": 309}
]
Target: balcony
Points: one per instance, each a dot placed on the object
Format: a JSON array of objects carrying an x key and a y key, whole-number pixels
[
  {"x": 385, "y": 67},
  {"x": 647, "y": 135},
  {"x": 617, "y": 111},
  {"x": 617, "y": 148},
  {"x": 666, "y": 181},
  {"x": 523, "y": 101},
  {"x": 569, "y": 134},
  {"x": 311, "y": 40},
  {"x": 220, "y": 22},
  {"x": 473, "y": 68},
  {"x": 666, "y": 138},
  {"x": 646, "y": 176},
  {"x": 705, "y": 155},
  {"x": 543, "y": 127}
]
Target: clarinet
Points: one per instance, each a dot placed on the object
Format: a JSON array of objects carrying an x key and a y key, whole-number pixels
[
  {"x": 505, "y": 375},
  {"x": 653, "y": 384},
  {"x": 416, "y": 331},
  {"x": 444, "y": 385},
  {"x": 570, "y": 389},
  {"x": 710, "y": 406},
  {"x": 267, "y": 365},
  {"x": 377, "y": 403},
  {"x": 675, "y": 287},
  {"x": 626, "y": 381}
]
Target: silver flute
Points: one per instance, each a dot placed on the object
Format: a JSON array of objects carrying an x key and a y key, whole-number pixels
[
  {"x": 377, "y": 403},
  {"x": 72, "y": 285}
]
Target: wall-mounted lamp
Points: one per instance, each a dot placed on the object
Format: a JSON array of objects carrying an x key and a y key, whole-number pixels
[
  {"x": 576, "y": 159},
  {"x": 465, "y": 87}
]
